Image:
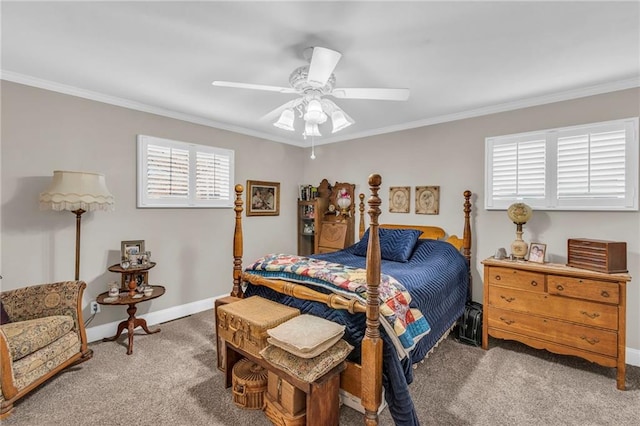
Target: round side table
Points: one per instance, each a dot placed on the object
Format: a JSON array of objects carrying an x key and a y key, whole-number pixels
[{"x": 132, "y": 322}]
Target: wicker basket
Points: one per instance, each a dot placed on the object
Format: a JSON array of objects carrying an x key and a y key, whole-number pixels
[
  {"x": 278, "y": 415},
  {"x": 249, "y": 384},
  {"x": 244, "y": 324}
]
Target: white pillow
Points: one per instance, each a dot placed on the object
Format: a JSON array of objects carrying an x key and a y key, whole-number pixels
[{"x": 306, "y": 335}]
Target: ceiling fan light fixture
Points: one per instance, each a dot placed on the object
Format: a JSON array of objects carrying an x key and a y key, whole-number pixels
[
  {"x": 314, "y": 113},
  {"x": 286, "y": 120},
  {"x": 311, "y": 129},
  {"x": 339, "y": 120}
]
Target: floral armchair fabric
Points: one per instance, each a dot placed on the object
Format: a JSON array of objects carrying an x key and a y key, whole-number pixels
[{"x": 45, "y": 335}]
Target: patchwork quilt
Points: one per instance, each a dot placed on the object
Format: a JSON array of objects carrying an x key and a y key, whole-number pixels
[{"x": 404, "y": 324}]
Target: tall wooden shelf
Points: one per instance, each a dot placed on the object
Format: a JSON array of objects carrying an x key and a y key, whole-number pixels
[
  {"x": 307, "y": 227},
  {"x": 320, "y": 213}
]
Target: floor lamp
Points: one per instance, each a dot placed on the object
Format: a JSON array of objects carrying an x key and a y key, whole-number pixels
[{"x": 77, "y": 192}]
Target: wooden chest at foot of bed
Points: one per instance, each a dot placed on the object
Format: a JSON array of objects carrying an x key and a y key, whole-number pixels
[
  {"x": 281, "y": 417},
  {"x": 244, "y": 324},
  {"x": 292, "y": 399}
]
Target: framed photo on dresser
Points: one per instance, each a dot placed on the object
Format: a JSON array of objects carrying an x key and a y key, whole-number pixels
[{"x": 537, "y": 252}]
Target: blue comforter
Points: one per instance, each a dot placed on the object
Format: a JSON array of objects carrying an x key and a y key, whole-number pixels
[{"x": 437, "y": 277}]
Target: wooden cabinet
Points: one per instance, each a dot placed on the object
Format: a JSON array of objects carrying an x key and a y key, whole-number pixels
[
  {"x": 323, "y": 225},
  {"x": 562, "y": 309},
  {"x": 333, "y": 236},
  {"x": 597, "y": 255},
  {"x": 307, "y": 227}
]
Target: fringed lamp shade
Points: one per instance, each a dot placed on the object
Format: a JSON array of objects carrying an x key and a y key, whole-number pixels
[{"x": 77, "y": 191}]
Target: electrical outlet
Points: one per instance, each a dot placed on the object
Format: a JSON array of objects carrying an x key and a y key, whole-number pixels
[{"x": 95, "y": 307}]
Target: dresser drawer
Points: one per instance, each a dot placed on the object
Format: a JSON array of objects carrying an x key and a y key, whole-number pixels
[
  {"x": 515, "y": 278},
  {"x": 579, "y": 311},
  {"x": 592, "y": 339},
  {"x": 600, "y": 291}
]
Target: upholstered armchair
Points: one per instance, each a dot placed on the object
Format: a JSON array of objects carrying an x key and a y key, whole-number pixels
[{"x": 44, "y": 335}]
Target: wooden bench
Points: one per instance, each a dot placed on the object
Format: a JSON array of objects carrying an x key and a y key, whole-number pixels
[{"x": 323, "y": 399}]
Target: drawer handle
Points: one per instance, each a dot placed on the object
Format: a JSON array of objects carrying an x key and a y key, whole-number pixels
[
  {"x": 592, "y": 341},
  {"x": 508, "y": 299},
  {"x": 604, "y": 293},
  {"x": 506, "y": 321},
  {"x": 534, "y": 283},
  {"x": 559, "y": 287},
  {"x": 592, "y": 316},
  {"x": 498, "y": 278}
]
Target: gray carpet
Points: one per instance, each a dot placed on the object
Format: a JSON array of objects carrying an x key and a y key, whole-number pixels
[{"x": 171, "y": 379}]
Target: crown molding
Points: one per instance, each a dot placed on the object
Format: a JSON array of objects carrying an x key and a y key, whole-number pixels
[
  {"x": 492, "y": 109},
  {"x": 567, "y": 95},
  {"x": 126, "y": 103}
]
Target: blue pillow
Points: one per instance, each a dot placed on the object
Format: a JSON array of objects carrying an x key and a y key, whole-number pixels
[{"x": 395, "y": 244}]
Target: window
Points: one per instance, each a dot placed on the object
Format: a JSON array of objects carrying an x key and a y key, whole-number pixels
[
  {"x": 588, "y": 167},
  {"x": 180, "y": 174}
]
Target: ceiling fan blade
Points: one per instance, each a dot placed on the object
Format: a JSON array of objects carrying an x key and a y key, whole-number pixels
[
  {"x": 273, "y": 114},
  {"x": 254, "y": 86},
  {"x": 371, "y": 93},
  {"x": 323, "y": 62}
]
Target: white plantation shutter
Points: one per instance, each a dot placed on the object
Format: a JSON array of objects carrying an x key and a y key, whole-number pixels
[
  {"x": 212, "y": 176},
  {"x": 167, "y": 172},
  {"x": 179, "y": 174},
  {"x": 589, "y": 167},
  {"x": 592, "y": 165},
  {"x": 519, "y": 170}
]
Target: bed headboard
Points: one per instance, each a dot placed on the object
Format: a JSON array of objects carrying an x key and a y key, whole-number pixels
[{"x": 436, "y": 233}]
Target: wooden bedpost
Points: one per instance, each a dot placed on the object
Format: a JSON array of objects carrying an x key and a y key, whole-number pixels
[
  {"x": 237, "y": 245},
  {"x": 361, "y": 206},
  {"x": 466, "y": 237},
  {"x": 372, "y": 343}
]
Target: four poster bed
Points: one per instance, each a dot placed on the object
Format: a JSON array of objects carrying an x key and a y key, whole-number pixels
[{"x": 434, "y": 276}]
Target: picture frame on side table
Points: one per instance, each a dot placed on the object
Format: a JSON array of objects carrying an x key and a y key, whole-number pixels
[
  {"x": 263, "y": 198},
  {"x": 399, "y": 199},
  {"x": 131, "y": 247},
  {"x": 537, "y": 252}
]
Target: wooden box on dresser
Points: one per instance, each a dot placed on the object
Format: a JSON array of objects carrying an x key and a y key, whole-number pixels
[{"x": 559, "y": 308}]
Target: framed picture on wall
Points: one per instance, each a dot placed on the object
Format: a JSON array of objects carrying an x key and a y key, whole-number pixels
[
  {"x": 427, "y": 200},
  {"x": 399, "y": 199},
  {"x": 263, "y": 198}
]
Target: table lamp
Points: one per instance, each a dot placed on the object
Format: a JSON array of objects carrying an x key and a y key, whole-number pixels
[
  {"x": 519, "y": 213},
  {"x": 78, "y": 192},
  {"x": 343, "y": 200}
]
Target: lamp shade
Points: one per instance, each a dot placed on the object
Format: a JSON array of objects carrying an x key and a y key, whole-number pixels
[
  {"x": 311, "y": 129},
  {"x": 286, "y": 120},
  {"x": 314, "y": 113},
  {"x": 77, "y": 191},
  {"x": 519, "y": 213},
  {"x": 339, "y": 121}
]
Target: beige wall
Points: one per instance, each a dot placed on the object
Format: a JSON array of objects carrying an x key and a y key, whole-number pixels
[
  {"x": 452, "y": 155},
  {"x": 43, "y": 131}
]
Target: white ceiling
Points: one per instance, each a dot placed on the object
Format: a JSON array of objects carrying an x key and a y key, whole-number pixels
[{"x": 459, "y": 59}]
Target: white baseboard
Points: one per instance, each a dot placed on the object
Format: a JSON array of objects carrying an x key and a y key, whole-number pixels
[
  {"x": 632, "y": 357},
  {"x": 107, "y": 330}
]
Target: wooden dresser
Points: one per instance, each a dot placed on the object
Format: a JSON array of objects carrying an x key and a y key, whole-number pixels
[{"x": 562, "y": 309}]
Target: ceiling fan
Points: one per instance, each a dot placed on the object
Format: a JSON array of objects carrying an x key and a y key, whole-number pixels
[{"x": 313, "y": 82}]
